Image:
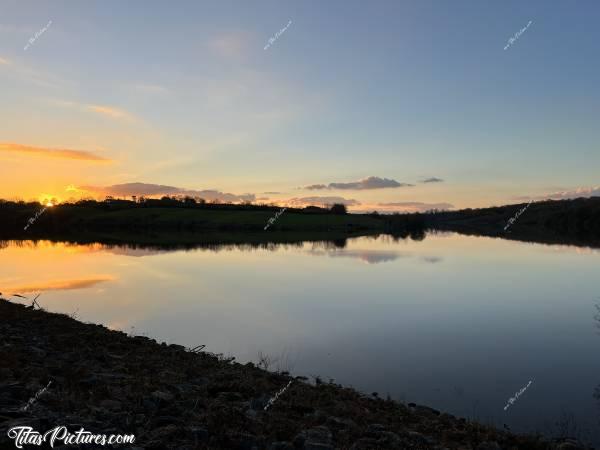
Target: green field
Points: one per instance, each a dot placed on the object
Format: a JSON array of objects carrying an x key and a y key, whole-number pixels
[{"x": 215, "y": 219}]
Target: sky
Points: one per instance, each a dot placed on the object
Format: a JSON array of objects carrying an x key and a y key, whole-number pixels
[{"x": 383, "y": 105}]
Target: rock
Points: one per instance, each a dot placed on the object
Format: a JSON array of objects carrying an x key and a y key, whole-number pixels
[
  {"x": 387, "y": 439},
  {"x": 283, "y": 445},
  {"x": 374, "y": 429},
  {"x": 38, "y": 351},
  {"x": 230, "y": 396},
  {"x": 365, "y": 444},
  {"x": 316, "y": 438},
  {"x": 320, "y": 434},
  {"x": 111, "y": 404},
  {"x": 23, "y": 422},
  {"x": 317, "y": 446},
  {"x": 340, "y": 423},
  {"x": 149, "y": 406},
  {"x": 163, "y": 433},
  {"x": 421, "y": 439},
  {"x": 259, "y": 403},
  {"x": 246, "y": 441},
  {"x": 567, "y": 444},
  {"x": 489, "y": 445},
  {"x": 13, "y": 413},
  {"x": 199, "y": 381},
  {"x": 162, "y": 421},
  {"x": 199, "y": 434},
  {"x": 164, "y": 396}
]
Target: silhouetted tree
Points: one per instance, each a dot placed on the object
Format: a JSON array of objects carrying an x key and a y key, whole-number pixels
[
  {"x": 189, "y": 200},
  {"x": 339, "y": 208}
]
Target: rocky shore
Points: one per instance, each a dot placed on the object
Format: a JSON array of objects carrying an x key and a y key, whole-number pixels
[{"x": 170, "y": 397}]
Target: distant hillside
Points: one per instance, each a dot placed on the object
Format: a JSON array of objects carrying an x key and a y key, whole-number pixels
[{"x": 573, "y": 221}]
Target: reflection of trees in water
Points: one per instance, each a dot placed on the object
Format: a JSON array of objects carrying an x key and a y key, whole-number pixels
[
  {"x": 328, "y": 245},
  {"x": 415, "y": 235},
  {"x": 166, "y": 247},
  {"x": 213, "y": 246},
  {"x": 124, "y": 247},
  {"x": 14, "y": 243}
]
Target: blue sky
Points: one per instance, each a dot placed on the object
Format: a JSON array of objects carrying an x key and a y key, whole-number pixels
[{"x": 184, "y": 94}]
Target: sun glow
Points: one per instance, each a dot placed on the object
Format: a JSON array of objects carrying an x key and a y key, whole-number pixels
[{"x": 48, "y": 200}]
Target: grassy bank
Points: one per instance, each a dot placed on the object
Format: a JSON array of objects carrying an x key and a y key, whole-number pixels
[
  {"x": 123, "y": 216},
  {"x": 176, "y": 222},
  {"x": 169, "y": 397}
]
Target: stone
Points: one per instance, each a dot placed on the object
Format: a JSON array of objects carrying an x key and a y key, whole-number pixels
[
  {"x": 111, "y": 404},
  {"x": 340, "y": 423},
  {"x": 199, "y": 434},
  {"x": 489, "y": 445},
  {"x": 374, "y": 429},
  {"x": 164, "y": 396},
  {"x": 281, "y": 445},
  {"x": 317, "y": 446}
]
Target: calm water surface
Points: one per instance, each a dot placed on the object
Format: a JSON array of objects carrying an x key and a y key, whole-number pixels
[{"x": 458, "y": 323}]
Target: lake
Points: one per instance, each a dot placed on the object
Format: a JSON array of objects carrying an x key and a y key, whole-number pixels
[{"x": 458, "y": 323}]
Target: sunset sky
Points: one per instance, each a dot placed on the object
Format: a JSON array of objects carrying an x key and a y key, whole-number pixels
[{"x": 388, "y": 105}]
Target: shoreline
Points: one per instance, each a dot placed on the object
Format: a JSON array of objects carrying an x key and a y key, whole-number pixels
[{"x": 170, "y": 397}]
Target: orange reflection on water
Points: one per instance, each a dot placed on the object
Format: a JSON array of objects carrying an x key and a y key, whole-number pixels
[{"x": 56, "y": 285}]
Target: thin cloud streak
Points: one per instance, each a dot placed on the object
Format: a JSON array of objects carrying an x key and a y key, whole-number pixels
[
  {"x": 593, "y": 191},
  {"x": 320, "y": 201},
  {"x": 110, "y": 111},
  {"x": 363, "y": 184},
  {"x": 104, "y": 110},
  {"x": 53, "y": 152},
  {"x": 580, "y": 192}
]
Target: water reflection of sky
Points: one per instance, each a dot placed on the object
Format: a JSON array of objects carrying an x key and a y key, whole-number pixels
[{"x": 455, "y": 322}]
